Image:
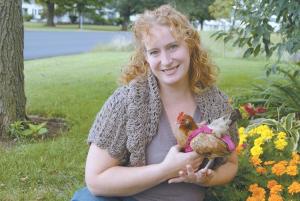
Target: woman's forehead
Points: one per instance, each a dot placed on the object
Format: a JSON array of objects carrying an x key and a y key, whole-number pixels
[{"x": 158, "y": 34}]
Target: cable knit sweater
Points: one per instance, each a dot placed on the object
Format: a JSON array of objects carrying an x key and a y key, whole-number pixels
[{"x": 129, "y": 118}]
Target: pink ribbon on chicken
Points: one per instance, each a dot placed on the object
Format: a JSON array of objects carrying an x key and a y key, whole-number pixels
[{"x": 204, "y": 129}]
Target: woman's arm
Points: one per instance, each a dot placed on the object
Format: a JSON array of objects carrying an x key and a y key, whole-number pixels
[
  {"x": 105, "y": 177},
  {"x": 222, "y": 175}
]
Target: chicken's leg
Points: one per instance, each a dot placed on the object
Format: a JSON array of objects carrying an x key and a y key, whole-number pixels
[{"x": 209, "y": 163}]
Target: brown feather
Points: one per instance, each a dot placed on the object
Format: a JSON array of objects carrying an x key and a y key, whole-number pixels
[{"x": 186, "y": 125}]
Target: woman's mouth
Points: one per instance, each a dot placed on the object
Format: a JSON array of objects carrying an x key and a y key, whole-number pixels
[{"x": 170, "y": 69}]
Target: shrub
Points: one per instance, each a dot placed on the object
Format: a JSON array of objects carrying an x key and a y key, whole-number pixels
[
  {"x": 280, "y": 95},
  {"x": 21, "y": 130},
  {"x": 27, "y": 17},
  {"x": 73, "y": 19}
]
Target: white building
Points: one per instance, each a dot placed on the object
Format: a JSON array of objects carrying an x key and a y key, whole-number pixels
[{"x": 33, "y": 9}]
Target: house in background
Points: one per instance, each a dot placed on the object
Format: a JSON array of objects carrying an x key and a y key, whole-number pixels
[
  {"x": 32, "y": 9},
  {"x": 34, "y": 12}
]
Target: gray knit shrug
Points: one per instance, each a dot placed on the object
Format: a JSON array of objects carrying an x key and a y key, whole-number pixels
[{"x": 129, "y": 118}]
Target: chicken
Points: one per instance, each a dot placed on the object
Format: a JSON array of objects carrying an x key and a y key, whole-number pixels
[{"x": 209, "y": 140}]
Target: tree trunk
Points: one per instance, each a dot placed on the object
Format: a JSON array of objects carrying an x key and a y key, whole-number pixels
[
  {"x": 12, "y": 94},
  {"x": 50, "y": 14},
  {"x": 80, "y": 7},
  {"x": 201, "y": 23},
  {"x": 125, "y": 22}
]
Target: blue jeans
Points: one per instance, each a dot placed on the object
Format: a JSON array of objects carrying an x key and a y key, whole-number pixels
[{"x": 85, "y": 195}]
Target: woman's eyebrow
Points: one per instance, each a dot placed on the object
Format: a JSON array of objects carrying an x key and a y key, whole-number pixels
[
  {"x": 172, "y": 43},
  {"x": 151, "y": 49},
  {"x": 167, "y": 45}
]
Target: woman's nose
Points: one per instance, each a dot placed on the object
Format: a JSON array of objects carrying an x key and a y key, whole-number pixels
[{"x": 165, "y": 59}]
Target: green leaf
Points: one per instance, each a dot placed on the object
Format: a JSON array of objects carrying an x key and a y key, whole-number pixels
[
  {"x": 43, "y": 131},
  {"x": 289, "y": 121},
  {"x": 39, "y": 126},
  {"x": 220, "y": 35},
  {"x": 27, "y": 133},
  {"x": 227, "y": 38},
  {"x": 257, "y": 50},
  {"x": 248, "y": 52}
]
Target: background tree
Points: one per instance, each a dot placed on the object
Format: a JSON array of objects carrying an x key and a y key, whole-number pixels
[
  {"x": 12, "y": 95},
  {"x": 127, "y": 8},
  {"x": 255, "y": 30},
  {"x": 221, "y": 9},
  {"x": 197, "y": 10},
  {"x": 50, "y": 10},
  {"x": 82, "y": 7}
]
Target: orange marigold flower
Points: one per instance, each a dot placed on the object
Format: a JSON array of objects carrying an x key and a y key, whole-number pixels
[
  {"x": 272, "y": 183},
  {"x": 239, "y": 149},
  {"x": 292, "y": 170},
  {"x": 295, "y": 159},
  {"x": 255, "y": 160},
  {"x": 252, "y": 187},
  {"x": 251, "y": 199},
  {"x": 275, "y": 189},
  {"x": 257, "y": 192},
  {"x": 283, "y": 162},
  {"x": 279, "y": 168},
  {"x": 294, "y": 188},
  {"x": 275, "y": 197},
  {"x": 296, "y": 156},
  {"x": 261, "y": 170},
  {"x": 269, "y": 162}
]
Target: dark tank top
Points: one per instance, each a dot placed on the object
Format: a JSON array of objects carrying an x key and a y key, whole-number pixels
[{"x": 155, "y": 153}]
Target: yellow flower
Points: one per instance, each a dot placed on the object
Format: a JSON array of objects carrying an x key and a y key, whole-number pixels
[
  {"x": 280, "y": 144},
  {"x": 281, "y": 135},
  {"x": 292, "y": 170},
  {"x": 242, "y": 135},
  {"x": 294, "y": 188},
  {"x": 258, "y": 141},
  {"x": 267, "y": 134},
  {"x": 256, "y": 151}
]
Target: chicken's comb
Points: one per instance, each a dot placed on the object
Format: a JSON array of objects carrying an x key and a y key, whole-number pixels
[{"x": 180, "y": 116}]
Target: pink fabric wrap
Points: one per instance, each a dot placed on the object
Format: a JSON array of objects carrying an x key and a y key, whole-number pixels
[
  {"x": 206, "y": 130},
  {"x": 201, "y": 130}
]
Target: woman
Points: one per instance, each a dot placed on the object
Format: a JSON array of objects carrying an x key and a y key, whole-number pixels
[{"x": 133, "y": 153}]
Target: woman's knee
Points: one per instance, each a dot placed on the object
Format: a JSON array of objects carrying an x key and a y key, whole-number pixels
[{"x": 85, "y": 195}]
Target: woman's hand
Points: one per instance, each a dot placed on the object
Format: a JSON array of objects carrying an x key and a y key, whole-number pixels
[
  {"x": 176, "y": 161},
  {"x": 191, "y": 175}
]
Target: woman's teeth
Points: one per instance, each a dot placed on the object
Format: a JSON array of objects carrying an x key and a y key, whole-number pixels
[{"x": 169, "y": 69}]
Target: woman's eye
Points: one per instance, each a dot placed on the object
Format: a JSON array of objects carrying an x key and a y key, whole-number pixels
[
  {"x": 153, "y": 53},
  {"x": 174, "y": 46}
]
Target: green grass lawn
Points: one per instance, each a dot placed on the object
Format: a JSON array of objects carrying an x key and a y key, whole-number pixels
[
  {"x": 63, "y": 27},
  {"x": 75, "y": 87}
]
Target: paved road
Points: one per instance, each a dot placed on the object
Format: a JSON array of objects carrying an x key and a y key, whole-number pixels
[{"x": 41, "y": 44}]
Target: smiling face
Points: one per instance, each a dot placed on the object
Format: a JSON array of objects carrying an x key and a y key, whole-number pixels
[{"x": 168, "y": 58}]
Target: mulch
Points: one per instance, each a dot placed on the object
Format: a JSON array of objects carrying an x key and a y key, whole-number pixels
[{"x": 55, "y": 126}]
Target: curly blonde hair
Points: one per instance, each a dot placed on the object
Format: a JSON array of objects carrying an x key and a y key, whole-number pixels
[{"x": 202, "y": 72}]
